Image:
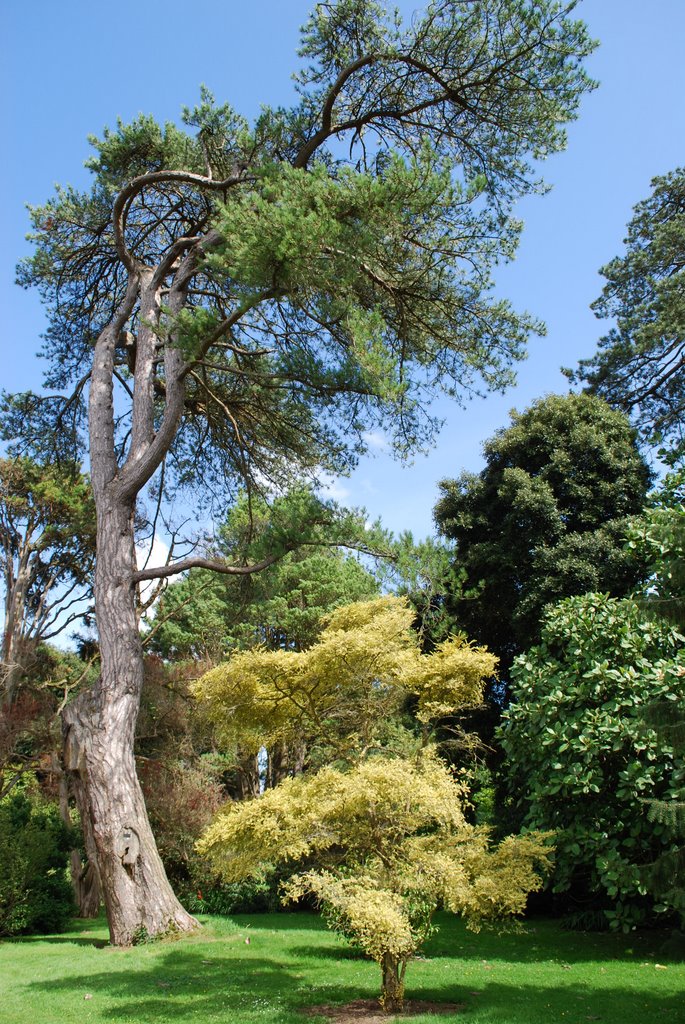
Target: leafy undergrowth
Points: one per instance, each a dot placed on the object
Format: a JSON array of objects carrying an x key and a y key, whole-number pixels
[{"x": 292, "y": 962}]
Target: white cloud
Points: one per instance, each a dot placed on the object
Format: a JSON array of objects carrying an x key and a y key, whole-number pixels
[
  {"x": 333, "y": 487},
  {"x": 158, "y": 555},
  {"x": 376, "y": 440}
]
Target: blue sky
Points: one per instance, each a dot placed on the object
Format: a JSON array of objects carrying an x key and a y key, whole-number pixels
[{"x": 70, "y": 68}]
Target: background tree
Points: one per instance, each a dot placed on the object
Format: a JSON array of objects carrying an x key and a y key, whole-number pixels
[
  {"x": 659, "y": 536},
  {"x": 47, "y": 547},
  {"x": 182, "y": 795},
  {"x": 205, "y": 615},
  {"x": 639, "y": 366},
  {"x": 425, "y": 573},
  {"x": 580, "y": 755},
  {"x": 35, "y": 895},
  {"x": 244, "y": 301},
  {"x": 664, "y": 878},
  {"x": 546, "y": 518},
  {"x": 379, "y": 837}
]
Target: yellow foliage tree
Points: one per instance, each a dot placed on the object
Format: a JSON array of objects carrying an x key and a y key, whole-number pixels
[
  {"x": 342, "y": 696},
  {"x": 384, "y": 829}
]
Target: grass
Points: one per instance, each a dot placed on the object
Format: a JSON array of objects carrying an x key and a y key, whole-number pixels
[{"x": 540, "y": 975}]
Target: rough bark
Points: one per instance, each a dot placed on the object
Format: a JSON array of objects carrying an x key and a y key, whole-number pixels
[
  {"x": 14, "y": 647},
  {"x": 278, "y": 763},
  {"x": 85, "y": 876},
  {"x": 99, "y": 728},
  {"x": 89, "y": 890},
  {"x": 286, "y": 760}
]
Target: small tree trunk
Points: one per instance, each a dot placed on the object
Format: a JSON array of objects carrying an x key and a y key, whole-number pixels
[
  {"x": 285, "y": 761},
  {"x": 248, "y": 777},
  {"x": 18, "y": 646},
  {"x": 278, "y": 764},
  {"x": 392, "y": 993},
  {"x": 17, "y": 659},
  {"x": 99, "y": 730},
  {"x": 89, "y": 892},
  {"x": 90, "y": 886}
]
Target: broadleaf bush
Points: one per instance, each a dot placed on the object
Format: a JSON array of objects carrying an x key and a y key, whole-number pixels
[
  {"x": 35, "y": 893},
  {"x": 582, "y": 759}
]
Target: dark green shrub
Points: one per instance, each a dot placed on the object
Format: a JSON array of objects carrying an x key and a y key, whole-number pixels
[
  {"x": 35, "y": 893},
  {"x": 581, "y": 758},
  {"x": 226, "y": 898}
]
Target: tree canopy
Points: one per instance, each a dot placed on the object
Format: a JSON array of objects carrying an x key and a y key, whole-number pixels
[
  {"x": 546, "y": 518},
  {"x": 658, "y": 537},
  {"x": 206, "y": 615},
  {"x": 344, "y": 691},
  {"x": 274, "y": 295},
  {"x": 639, "y": 366}
]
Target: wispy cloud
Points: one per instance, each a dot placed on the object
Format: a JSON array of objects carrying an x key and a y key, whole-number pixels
[
  {"x": 333, "y": 487},
  {"x": 376, "y": 440}
]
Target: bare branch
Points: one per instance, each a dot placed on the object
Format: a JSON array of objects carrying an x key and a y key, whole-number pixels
[
  {"x": 204, "y": 563},
  {"x": 137, "y": 185}
]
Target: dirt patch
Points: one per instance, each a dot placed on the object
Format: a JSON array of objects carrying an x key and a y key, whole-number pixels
[{"x": 367, "y": 1011}]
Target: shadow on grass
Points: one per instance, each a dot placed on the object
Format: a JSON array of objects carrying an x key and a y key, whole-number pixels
[
  {"x": 341, "y": 952},
  {"x": 184, "y": 985},
  {"x": 66, "y": 939},
  {"x": 81, "y": 931},
  {"x": 304, "y": 920},
  {"x": 534, "y": 940},
  {"x": 191, "y": 985},
  {"x": 539, "y": 940},
  {"x": 499, "y": 1003},
  {"x": 206, "y": 981}
]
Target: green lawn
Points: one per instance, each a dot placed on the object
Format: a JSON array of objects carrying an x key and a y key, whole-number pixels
[{"x": 292, "y": 961}]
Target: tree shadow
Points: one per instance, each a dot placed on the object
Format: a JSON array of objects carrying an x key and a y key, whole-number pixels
[
  {"x": 540, "y": 940},
  {"x": 527, "y": 942},
  {"x": 194, "y": 984},
  {"x": 188, "y": 982},
  {"x": 81, "y": 931},
  {"x": 500, "y": 1003},
  {"x": 304, "y": 920},
  {"x": 52, "y": 940},
  {"x": 329, "y": 953}
]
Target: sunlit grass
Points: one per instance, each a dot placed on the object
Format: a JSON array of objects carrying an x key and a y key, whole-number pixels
[{"x": 540, "y": 975}]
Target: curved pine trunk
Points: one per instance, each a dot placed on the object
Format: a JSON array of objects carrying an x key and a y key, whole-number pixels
[{"x": 99, "y": 732}]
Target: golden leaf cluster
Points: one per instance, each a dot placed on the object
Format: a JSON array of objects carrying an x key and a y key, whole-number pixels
[{"x": 365, "y": 664}]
